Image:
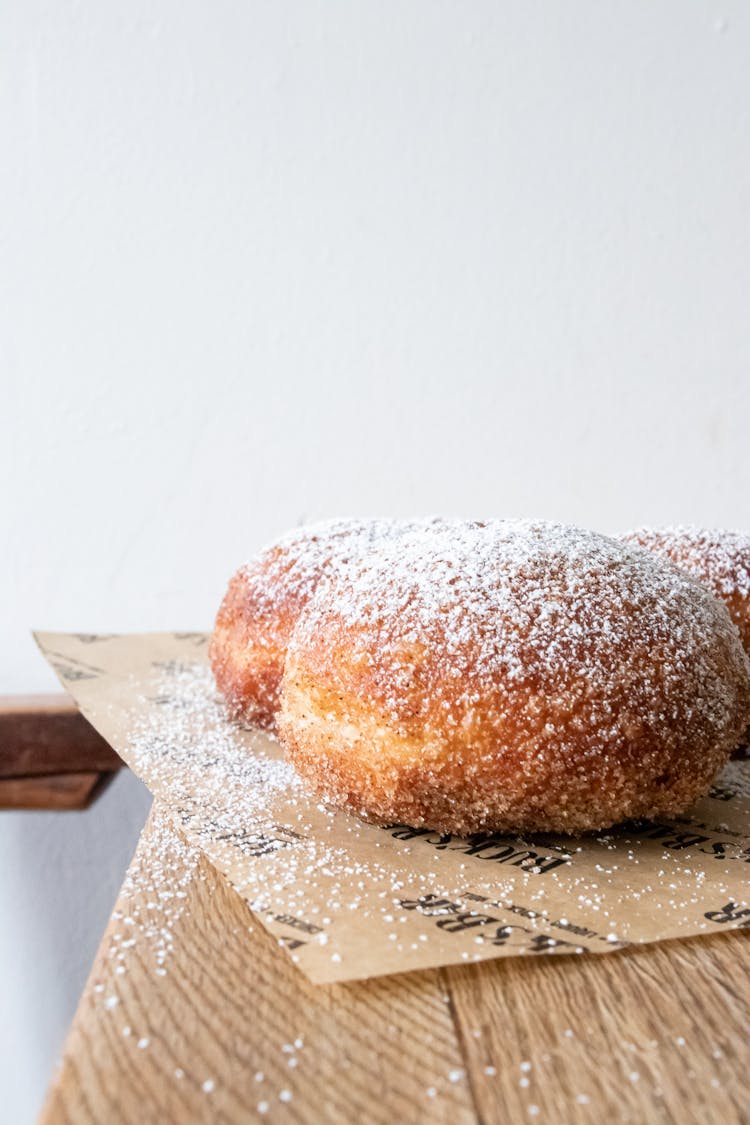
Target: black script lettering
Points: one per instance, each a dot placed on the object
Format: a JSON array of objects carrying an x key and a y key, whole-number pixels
[
  {"x": 459, "y": 922},
  {"x": 728, "y": 913}
]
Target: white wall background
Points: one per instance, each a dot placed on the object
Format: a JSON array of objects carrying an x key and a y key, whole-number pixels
[{"x": 267, "y": 261}]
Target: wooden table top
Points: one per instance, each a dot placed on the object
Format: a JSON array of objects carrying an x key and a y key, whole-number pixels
[{"x": 193, "y": 1014}]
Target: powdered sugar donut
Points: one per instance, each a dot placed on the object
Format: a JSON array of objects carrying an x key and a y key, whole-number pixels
[
  {"x": 718, "y": 559},
  {"x": 511, "y": 676},
  {"x": 264, "y": 600}
]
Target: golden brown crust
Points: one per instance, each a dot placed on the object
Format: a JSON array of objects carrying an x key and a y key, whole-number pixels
[
  {"x": 248, "y": 648},
  {"x": 719, "y": 559},
  {"x": 358, "y": 765},
  {"x": 512, "y": 677},
  {"x": 264, "y": 600}
]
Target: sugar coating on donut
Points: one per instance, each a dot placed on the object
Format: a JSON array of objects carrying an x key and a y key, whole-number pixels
[
  {"x": 511, "y": 676},
  {"x": 264, "y": 600},
  {"x": 720, "y": 559}
]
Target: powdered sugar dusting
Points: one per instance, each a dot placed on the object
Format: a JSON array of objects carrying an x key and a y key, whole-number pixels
[
  {"x": 186, "y": 744},
  {"x": 248, "y": 799},
  {"x": 552, "y": 640},
  {"x": 265, "y": 598},
  {"x": 719, "y": 558},
  {"x": 295, "y": 562},
  {"x": 508, "y": 600},
  {"x": 346, "y": 899},
  {"x": 153, "y": 896}
]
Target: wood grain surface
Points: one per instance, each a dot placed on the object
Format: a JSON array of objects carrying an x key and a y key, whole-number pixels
[
  {"x": 58, "y": 791},
  {"x": 193, "y": 1014},
  {"x": 50, "y": 756}
]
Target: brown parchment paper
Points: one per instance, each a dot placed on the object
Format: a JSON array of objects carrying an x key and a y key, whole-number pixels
[{"x": 349, "y": 900}]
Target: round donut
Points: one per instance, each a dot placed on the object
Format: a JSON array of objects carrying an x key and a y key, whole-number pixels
[
  {"x": 512, "y": 677},
  {"x": 720, "y": 560},
  {"x": 263, "y": 601}
]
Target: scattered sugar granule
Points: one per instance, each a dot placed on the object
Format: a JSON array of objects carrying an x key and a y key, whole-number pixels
[
  {"x": 285, "y": 1096},
  {"x": 190, "y": 748},
  {"x": 143, "y": 1042},
  {"x": 208, "y": 1086},
  {"x": 160, "y": 874}
]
